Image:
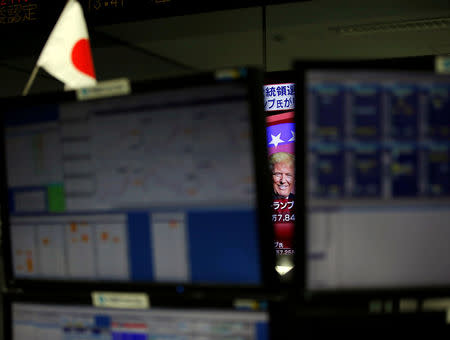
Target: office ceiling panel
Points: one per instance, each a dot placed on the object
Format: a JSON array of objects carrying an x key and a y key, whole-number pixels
[
  {"x": 202, "y": 41},
  {"x": 308, "y": 30},
  {"x": 179, "y": 27},
  {"x": 330, "y": 12},
  {"x": 123, "y": 61},
  {"x": 212, "y": 52}
]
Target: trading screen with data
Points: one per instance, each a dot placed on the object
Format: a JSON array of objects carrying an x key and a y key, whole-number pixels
[
  {"x": 378, "y": 185},
  {"x": 54, "y": 322},
  {"x": 155, "y": 187}
]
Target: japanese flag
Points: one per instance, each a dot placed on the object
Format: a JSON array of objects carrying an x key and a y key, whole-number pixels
[{"x": 67, "y": 54}]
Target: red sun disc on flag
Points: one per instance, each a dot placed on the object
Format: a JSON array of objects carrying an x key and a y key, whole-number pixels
[{"x": 82, "y": 57}]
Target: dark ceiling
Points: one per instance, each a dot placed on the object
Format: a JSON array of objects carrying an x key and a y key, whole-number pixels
[{"x": 270, "y": 37}]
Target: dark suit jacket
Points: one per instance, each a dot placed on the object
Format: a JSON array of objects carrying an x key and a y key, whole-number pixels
[{"x": 278, "y": 197}]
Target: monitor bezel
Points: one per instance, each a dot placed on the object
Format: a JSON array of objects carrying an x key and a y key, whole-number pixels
[
  {"x": 341, "y": 296},
  {"x": 249, "y": 76}
]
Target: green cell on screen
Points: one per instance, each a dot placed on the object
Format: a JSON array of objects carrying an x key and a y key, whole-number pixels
[{"x": 56, "y": 198}]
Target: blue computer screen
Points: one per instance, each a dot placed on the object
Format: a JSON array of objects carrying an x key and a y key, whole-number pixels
[
  {"x": 378, "y": 186},
  {"x": 154, "y": 187}
]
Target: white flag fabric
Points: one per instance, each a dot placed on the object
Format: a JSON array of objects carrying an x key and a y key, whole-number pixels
[{"x": 67, "y": 53}]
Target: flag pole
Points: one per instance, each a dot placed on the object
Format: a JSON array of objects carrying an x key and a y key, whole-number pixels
[
  {"x": 33, "y": 75},
  {"x": 30, "y": 80}
]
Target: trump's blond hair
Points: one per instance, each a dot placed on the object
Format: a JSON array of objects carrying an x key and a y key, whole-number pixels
[{"x": 281, "y": 157}]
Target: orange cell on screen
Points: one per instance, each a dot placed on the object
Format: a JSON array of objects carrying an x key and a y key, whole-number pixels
[{"x": 29, "y": 265}]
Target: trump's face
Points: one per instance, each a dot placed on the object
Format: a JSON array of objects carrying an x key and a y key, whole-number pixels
[{"x": 283, "y": 178}]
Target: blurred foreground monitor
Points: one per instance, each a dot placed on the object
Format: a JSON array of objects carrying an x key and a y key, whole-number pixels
[
  {"x": 157, "y": 186},
  {"x": 376, "y": 177},
  {"x": 74, "y": 321}
]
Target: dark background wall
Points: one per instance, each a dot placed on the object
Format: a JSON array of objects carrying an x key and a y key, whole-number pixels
[{"x": 168, "y": 46}]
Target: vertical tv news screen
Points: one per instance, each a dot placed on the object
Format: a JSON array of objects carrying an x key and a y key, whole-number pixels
[{"x": 279, "y": 104}]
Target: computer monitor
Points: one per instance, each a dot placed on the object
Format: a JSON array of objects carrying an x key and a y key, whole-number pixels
[
  {"x": 166, "y": 185},
  {"x": 76, "y": 321},
  {"x": 376, "y": 169}
]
